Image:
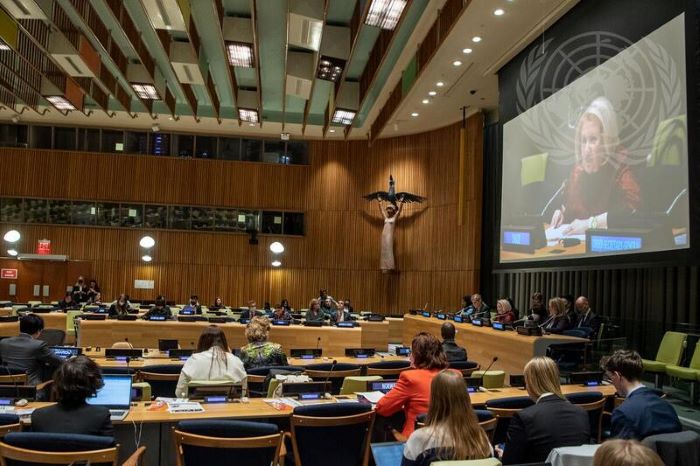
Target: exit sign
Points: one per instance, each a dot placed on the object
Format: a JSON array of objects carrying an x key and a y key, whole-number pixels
[{"x": 10, "y": 274}]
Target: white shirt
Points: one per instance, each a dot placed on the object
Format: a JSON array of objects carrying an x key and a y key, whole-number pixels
[
  {"x": 543, "y": 395},
  {"x": 204, "y": 366},
  {"x": 636, "y": 387}
]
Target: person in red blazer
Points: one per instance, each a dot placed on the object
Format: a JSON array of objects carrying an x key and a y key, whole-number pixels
[{"x": 412, "y": 391}]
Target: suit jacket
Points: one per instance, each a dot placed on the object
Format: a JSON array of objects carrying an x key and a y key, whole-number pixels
[
  {"x": 411, "y": 393},
  {"x": 346, "y": 316},
  {"x": 643, "y": 414},
  {"x": 156, "y": 311},
  {"x": 556, "y": 324},
  {"x": 26, "y": 353},
  {"x": 82, "y": 419},
  {"x": 551, "y": 423},
  {"x": 311, "y": 316},
  {"x": 591, "y": 320},
  {"x": 453, "y": 351}
]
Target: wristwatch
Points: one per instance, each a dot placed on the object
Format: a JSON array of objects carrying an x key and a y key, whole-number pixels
[{"x": 593, "y": 222}]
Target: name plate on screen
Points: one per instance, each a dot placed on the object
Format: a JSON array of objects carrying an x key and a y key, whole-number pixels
[
  {"x": 611, "y": 241},
  {"x": 459, "y": 319},
  {"x": 426, "y": 314},
  {"x": 441, "y": 316},
  {"x": 477, "y": 323}
]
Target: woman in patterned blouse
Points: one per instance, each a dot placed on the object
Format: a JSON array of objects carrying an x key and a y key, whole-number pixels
[{"x": 259, "y": 352}]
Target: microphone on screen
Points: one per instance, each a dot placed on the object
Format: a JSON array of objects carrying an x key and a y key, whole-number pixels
[{"x": 554, "y": 196}]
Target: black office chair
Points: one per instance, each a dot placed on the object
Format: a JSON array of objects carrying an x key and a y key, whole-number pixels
[
  {"x": 53, "y": 336},
  {"x": 227, "y": 443},
  {"x": 34, "y": 448},
  {"x": 504, "y": 409},
  {"x": 333, "y": 372},
  {"x": 388, "y": 369},
  {"x": 317, "y": 428},
  {"x": 465, "y": 367},
  {"x": 162, "y": 378}
]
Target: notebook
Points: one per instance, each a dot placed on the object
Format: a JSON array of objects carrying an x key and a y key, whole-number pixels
[
  {"x": 388, "y": 453},
  {"x": 115, "y": 395}
]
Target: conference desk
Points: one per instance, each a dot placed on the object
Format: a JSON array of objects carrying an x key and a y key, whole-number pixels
[
  {"x": 145, "y": 334},
  {"x": 55, "y": 320},
  {"x": 154, "y": 427},
  {"x": 484, "y": 343}
]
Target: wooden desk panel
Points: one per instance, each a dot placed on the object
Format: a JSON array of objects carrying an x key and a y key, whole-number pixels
[
  {"x": 395, "y": 329},
  {"x": 483, "y": 343},
  {"x": 375, "y": 335},
  {"x": 144, "y": 334},
  {"x": 55, "y": 320}
]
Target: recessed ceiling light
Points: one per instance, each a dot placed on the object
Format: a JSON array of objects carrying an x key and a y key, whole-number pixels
[
  {"x": 439, "y": 84},
  {"x": 466, "y": 50},
  {"x": 145, "y": 91},
  {"x": 432, "y": 93},
  {"x": 240, "y": 54},
  {"x": 476, "y": 39},
  {"x": 414, "y": 114},
  {"x": 60, "y": 102},
  {"x": 343, "y": 116},
  {"x": 457, "y": 63},
  {"x": 276, "y": 263},
  {"x": 426, "y": 101},
  {"x": 385, "y": 13},
  {"x": 331, "y": 130},
  {"x": 248, "y": 114},
  {"x": 499, "y": 12},
  {"x": 252, "y": 124}
]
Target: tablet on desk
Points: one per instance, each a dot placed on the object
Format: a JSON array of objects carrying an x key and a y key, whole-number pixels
[{"x": 388, "y": 453}]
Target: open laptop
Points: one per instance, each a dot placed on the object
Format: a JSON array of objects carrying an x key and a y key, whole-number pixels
[
  {"x": 387, "y": 453},
  {"x": 115, "y": 395}
]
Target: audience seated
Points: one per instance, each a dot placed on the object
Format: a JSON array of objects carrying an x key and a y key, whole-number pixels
[
  {"x": 67, "y": 302},
  {"x": 212, "y": 360},
  {"x": 453, "y": 352},
  {"x": 75, "y": 380},
  {"x": 466, "y": 302},
  {"x": 94, "y": 293},
  {"x": 218, "y": 304},
  {"x": 80, "y": 291},
  {"x": 340, "y": 314},
  {"x": 412, "y": 391},
  {"x": 280, "y": 313},
  {"x": 452, "y": 430},
  {"x": 538, "y": 310},
  {"x": 327, "y": 306},
  {"x": 193, "y": 307},
  {"x": 252, "y": 310},
  {"x": 552, "y": 422},
  {"x": 120, "y": 307},
  {"x": 314, "y": 314},
  {"x": 625, "y": 453},
  {"x": 259, "y": 352},
  {"x": 160, "y": 309},
  {"x": 27, "y": 352},
  {"x": 557, "y": 321},
  {"x": 586, "y": 319},
  {"x": 504, "y": 312},
  {"x": 642, "y": 413},
  {"x": 478, "y": 308}
]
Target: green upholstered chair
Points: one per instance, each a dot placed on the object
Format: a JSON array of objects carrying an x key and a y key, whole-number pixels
[
  {"x": 357, "y": 383},
  {"x": 533, "y": 168},
  {"x": 690, "y": 374},
  {"x": 669, "y": 354},
  {"x": 491, "y": 379}
]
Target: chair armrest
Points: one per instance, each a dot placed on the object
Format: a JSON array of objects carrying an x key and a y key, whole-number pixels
[
  {"x": 44, "y": 385},
  {"x": 136, "y": 457}
]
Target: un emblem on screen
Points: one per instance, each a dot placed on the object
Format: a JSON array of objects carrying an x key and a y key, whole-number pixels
[{"x": 643, "y": 85}]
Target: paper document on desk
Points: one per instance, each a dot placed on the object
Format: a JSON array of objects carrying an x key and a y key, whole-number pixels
[
  {"x": 555, "y": 234},
  {"x": 372, "y": 397},
  {"x": 185, "y": 407},
  {"x": 282, "y": 403}
]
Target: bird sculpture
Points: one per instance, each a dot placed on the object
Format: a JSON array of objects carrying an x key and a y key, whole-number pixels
[{"x": 392, "y": 196}]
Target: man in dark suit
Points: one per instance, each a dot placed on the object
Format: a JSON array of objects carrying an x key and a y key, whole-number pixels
[
  {"x": 587, "y": 320},
  {"x": 550, "y": 423},
  {"x": 452, "y": 350},
  {"x": 159, "y": 310},
  {"x": 642, "y": 413},
  {"x": 27, "y": 353}
]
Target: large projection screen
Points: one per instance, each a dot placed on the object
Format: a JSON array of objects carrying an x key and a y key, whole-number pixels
[{"x": 600, "y": 167}]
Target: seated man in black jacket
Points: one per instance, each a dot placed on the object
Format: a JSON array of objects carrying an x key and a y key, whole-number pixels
[
  {"x": 159, "y": 310},
  {"x": 452, "y": 350},
  {"x": 28, "y": 353}
]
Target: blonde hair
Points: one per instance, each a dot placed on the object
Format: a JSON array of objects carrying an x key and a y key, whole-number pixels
[
  {"x": 625, "y": 453},
  {"x": 542, "y": 376},
  {"x": 451, "y": 411},
  {"x": 505, "y": 305},
  {"x": 312, "y": 302},
  {"x": 559, "y": 304},
  {"x": 257, "y": 329},
  {"x": 600, "y": 111}
]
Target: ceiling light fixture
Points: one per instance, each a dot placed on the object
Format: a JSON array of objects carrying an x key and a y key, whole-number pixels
[
  {"x": 385, "y": 14},
  {"x": 432, "y": 93},
  {"x": 147, "y": 242},
  {"x": 499, "y": 12},
  {"x": 330, "y": 69},
  {"x": 146, "y": 258},
  {"x": 457, "y": 63},
  {"x": 476, "y": 39},
  {"x": 439, "y": 84},
  {"x": 467, "y": 51},
  {"x": 277, "y": 247},
  {"x": 12, "y": 252},
  {"x": 414, "y": 114},
  {"x": 240, "y": 54},
  {"x": 343, "y": 116},
  {"x": 12, "y": 236},
  {"x": 331, "y": 131},
  {"x": 60, "y": 102},
  {"x": 4, "y": 47},
  {"x": 276, "y": 263},
  {"x": 426, "y": 101},
  {"x": 248, "y": 114},
  {"x": 145, "y": 91}
]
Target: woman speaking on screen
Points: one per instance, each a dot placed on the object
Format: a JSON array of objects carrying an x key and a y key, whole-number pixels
[{"x": 601, "y": 188}]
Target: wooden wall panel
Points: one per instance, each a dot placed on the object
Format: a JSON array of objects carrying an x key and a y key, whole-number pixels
[{"x": 438, "y": 259}]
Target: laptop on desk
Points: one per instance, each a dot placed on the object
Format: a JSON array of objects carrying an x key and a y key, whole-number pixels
[
  {"x": 115, "y": 396},
  {"x": 387, "y": 453}
]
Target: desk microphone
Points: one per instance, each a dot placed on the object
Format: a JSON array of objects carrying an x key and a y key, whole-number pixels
[
  {"x": 328, "y": 375},
  {"x": 554, "y": 196},
  {"x": 318, "y": 342},
  {"x": 495, "y": 358}
]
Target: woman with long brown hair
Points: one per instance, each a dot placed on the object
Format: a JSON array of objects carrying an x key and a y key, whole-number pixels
[
  {"x": 452, "y": 430},
  {"x": 212, "y": 360},
  {"x": 412, "y": 392}
]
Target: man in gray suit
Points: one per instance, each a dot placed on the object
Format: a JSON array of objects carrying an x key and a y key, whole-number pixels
[{"x": 27, "y": 353}]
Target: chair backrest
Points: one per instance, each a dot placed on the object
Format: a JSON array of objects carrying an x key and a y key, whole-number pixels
[
  {"x": 695, "y": 360},
  {"x": 336, "y": 375},
  {"x": 53, "y": 336},
  {"x": 12, "y": 376},
  {"x": 594, "y": 404},
  {"x": 122, "y": 345},
  {"x": 677, "y": 448},
  {"x": 504, "y": 409},
  {"x": 9, "y": 423},
  {"x": 388, "y": 368},
  {"x": 317, "y": 428},
  {"x": 226, "y": 442},
  {"x": 162, "y": 378},
  {"x": 465, "y": 367},
  {"x": 50, "y": 448},
  {"x": 671, "y": 348}
]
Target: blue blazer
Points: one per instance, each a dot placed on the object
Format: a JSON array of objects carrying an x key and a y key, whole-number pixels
[{"x": 643, "y": 414}]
